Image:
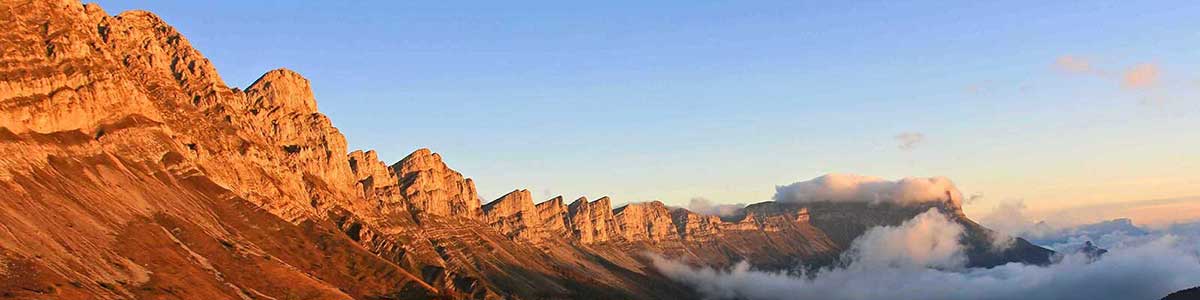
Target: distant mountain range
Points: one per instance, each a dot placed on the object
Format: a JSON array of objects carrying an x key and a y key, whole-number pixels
[
  {"x": 1047, "y": 236},
  {"x": 131, "y": 170}
]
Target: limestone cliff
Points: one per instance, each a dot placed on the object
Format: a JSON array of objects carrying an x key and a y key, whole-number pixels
[
  {"x": 515, "y": 216},
  {"x": 433, "y": 188},
  {"x": 648, "y": 221},
  {"x": 554, "y": 217},
  {"x": 130, "y": 170},
  {"x": 695, "y": 227},
  {"x": 592, "y": 222},
  {"x": 377, "y": 182}
]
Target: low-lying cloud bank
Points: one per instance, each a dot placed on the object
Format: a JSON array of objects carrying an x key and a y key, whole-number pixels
[
  {"x": 859, "y": 188},
  {"x": 922, "y": 259},
  {"x": 1011, "y": 218},
  {"x": 929, "y": 240}
]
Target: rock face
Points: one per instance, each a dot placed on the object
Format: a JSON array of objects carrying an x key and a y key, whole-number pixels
[
  {"x": 130, "y": 170},
  {"x": 1092, "y": 252},
  {"x": 649, "y": 221},
  {"x": 777, "y": 238},
  {"x": 515, "y": 216},
  {"x": 694, "y": 227},
  {"x": 592, "y": 222},
  {"x": 554, "y": 217},
  {"x": 282, "y": 90},
  {"x": 433, "y": 188},
  {"x": 376, "y": 181}
]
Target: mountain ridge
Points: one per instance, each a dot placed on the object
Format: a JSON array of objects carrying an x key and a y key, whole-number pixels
[{"x": 136, "y": 172}]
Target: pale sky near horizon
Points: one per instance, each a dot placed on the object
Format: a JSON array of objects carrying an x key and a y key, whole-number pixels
[{"x": 1055, "y": 104}]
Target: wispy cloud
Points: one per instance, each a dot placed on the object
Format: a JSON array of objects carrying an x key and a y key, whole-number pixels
[
  {"x": 1073, "y": 64},
  {"x": 1144, "y": 79},
  {"x": 1010, "y": 217},
  {"x": 702, "y": 205},
  {"x": 909, "y": 140},
  {"x": 974, "y": 198},
  {"x": 1141, "y": 76}
]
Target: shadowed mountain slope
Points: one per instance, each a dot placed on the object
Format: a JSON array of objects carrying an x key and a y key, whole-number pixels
[{"x": 1188, "y": 294}]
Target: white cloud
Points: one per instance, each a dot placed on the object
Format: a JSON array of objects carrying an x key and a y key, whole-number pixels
[
  {"x": 1014, "y": 218},
  {"x": 858, "y": 188},
  {"x": 911, "y": 261},
  {"x": 702, "y": 205},
  {"x": 1010, "y": 218},
  {"x": 927, "y": 240}
]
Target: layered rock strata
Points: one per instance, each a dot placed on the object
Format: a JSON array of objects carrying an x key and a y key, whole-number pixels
[{"x": 130, "y": 170}]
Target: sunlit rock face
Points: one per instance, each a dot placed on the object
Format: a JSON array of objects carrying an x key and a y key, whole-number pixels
[
  {"x": 431, "y": 187},
  {"x": 647, "y": 221},
  {"x": 130, "y": 170},
  {"x": 695, "y": 227},
  {"x": 592, "y": 221},
  {"x": 554, "y": 217},
  {"x": 515, "y": 215}
]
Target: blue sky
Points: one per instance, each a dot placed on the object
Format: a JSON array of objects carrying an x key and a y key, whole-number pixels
[{"x": 1020, "y": 100}]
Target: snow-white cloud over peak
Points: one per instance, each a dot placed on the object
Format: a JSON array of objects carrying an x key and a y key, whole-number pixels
[{"x": 859, "y": 188}]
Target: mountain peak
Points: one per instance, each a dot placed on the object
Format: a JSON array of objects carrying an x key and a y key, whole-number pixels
[
  {"x": 283, "y": 88},
  {"x": 646, "y": 221},
  {"x": 515, "y": 215},
  {"x": 432, "y": 187},
  {"x": 125, "y": 151},
  {"x": 593, "y": 221},
  {"x": 554, "y": 217},
  {"x": 510, "y": 202},
  {"x": 141, "y": 14}
]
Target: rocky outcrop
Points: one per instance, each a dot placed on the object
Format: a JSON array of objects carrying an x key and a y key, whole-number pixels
[
  {"x": 281, "y": 108},
  {"x": 56, "y": 74},
  {"x": 554, "y": 217},
  {"x": 592, "y": 222},
  {"x": 131, "y": 170},
  {"x": 431, "y": 187},
  {"x": 747, "y": 222},
  {"x": 281, "y": 90},
  {"x": 1091, "y": 251},
  {"x": 515, "y": 216},
  {"x": 694, "y": 227},
  {"x": 648, "y": 221},
  {"x": 378, "y": 183},
  {"x": 778, "y": 238}
]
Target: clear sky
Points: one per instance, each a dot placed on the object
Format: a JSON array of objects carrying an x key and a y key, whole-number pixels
[{"x": 1057, "y": 104}]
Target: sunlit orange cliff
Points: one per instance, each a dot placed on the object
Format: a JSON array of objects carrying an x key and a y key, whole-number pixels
[{"x": 130, "y": 170}]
